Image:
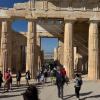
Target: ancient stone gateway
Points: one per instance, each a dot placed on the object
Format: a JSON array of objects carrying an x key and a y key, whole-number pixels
[{"x": 75, "y": 23}]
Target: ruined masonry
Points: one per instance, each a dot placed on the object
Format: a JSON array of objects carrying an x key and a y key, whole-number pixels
[{"x": 76, "y": 24}]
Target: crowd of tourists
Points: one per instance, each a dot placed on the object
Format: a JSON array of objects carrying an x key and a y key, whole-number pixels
[
  {"x": 7, "y": 79},
  {"x": 57, "y": 75}
]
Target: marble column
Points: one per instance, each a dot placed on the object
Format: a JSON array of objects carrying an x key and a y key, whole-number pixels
[
  {"x": 68, "y": 50},
  {"x": 45, "y": 5},
  {"x": 5, "y": 46},
  {"x": 75, "y": 58},
  {"x": 93, "y": 61},
  {"x": 32, "y": 4},
  {"x": 38, "y": 49},
  {"x": 55, "y": 54},
  {"x": 60, "y": 50},
  {"x": 31, "y": 43}
]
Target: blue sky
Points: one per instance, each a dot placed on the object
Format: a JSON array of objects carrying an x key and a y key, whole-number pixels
[{"x": 47, "y": 44}]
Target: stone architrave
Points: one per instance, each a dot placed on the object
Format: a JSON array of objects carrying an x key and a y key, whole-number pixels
[
  {"x": 31, "y": 41},
  {"x": 68, "y": 50},
  {"x": 5, "y": 46},
  {"x": 93, "y": 56}
]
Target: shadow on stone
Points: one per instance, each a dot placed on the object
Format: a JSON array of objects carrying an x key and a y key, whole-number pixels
[
  {"x": 81, "y": 94},
  {"x": 95, "y": 96},
  {"x": 8, "y": 96}
]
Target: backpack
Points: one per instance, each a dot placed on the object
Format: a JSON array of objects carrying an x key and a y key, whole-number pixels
[{"x": 80, "y": 82}]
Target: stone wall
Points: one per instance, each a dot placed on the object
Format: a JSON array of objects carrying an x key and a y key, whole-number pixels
[{"x": 18, "y": 41}]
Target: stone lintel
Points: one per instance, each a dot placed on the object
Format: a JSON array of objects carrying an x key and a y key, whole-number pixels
[
  {"x": 94, "y": 20},
  {"x": 6, "y": 19},
  {"x": 30, "y": 17},
  {"x": 50, "y": 13},
  {"x": 69, "y": 19}
]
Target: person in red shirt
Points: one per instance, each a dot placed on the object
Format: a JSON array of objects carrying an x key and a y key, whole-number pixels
[
  {"x": 7, "y": 80},
  {"x": 64, "y": 74},
  {"x": 63, "y": 71}
]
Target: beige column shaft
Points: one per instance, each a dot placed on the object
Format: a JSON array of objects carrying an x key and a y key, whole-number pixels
[
  {"x": 68, "y": 52},
  {"x": 45, "y": 5},
  {"x": 30, "y": 60},
  {"x": 93, "y": 51},
  {"x": 32, "y": 4},
  {"x": 5, "y": 46},
  {"x": 38, "y": 50},
  {"x": 60, "y": 51},
  {"x": 55, "y": 54}
]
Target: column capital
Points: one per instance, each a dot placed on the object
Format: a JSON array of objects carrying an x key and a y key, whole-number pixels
[
  {"x": 31, "y": 16},
  {"x": 94, "y": 20},
  {"x": 6, "y": 19},
  {"x": 32, "y": 20}
]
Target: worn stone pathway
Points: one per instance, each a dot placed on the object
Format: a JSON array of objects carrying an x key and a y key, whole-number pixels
[{"x": 90, "y": 91}]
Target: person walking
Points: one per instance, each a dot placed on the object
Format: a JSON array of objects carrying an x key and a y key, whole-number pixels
[
  {"x": 18, "y": 78},
  {"x": 27, "y": 76},
  {"x": 78, "y": 84},
  {"x": 60, "y": 81},
  {"x": 45, "y": 75}
]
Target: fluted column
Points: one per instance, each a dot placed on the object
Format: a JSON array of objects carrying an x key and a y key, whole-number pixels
[
  {"x": 31, "y": 43},
  {"x": 5, "y": 46},
  {"x": 93, "y": 62},
  {"x": 32, "y": 4},
  {"x": 45, "y": 5},
  {"x": 68, "y": 51}
]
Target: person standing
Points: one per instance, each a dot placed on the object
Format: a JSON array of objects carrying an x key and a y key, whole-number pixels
[
  {"x": 27, "y": 76},
  {"x": 78, "y": 84},
  {"x": 7, "y": 80},
  {"x": 10, "y": 78},
  {"x": 45, "y": 75},
  {"x": 18, "y": 78},
  {"x": 1, "y": 80}
]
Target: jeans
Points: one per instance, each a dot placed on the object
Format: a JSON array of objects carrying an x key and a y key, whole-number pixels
[
  {"x": 77, "y": 90},
  {"x": 60, "y": 91}
]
